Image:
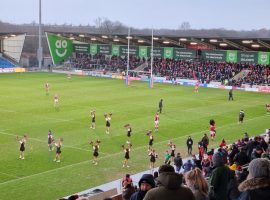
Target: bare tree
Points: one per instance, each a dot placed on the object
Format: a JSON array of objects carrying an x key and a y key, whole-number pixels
[{"x": 185, "y": 26}]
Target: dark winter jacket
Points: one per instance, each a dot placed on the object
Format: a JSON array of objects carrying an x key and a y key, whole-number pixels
[
  {"x": 139, "y": 195},
  {"x": 169, "y": 188},
  {"x": 219, "y": 180},
  {"x": 255, "y": 189}
]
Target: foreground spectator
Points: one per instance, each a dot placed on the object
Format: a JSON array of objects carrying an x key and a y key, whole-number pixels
[
  {"x": 146, "y": 183},
  {"x": 257, "y": 185},
  {"x": 219, "y": 178},
  {"x": 128, "y": 190},
  {"x": 169, "y": 186},
  {"x": 197, "y": 183}
]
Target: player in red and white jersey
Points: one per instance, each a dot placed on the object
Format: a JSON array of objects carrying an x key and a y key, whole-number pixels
[
  {"x": 196, "y": 89},
  {"x": 212, "y": 129},
  {"x": 47, "y": 88},
  {"x": 156, "y": 120},
  {"x": 56, "y": 100}
]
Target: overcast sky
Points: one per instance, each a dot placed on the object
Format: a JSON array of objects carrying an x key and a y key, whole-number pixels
[{"x": 229, "y": 14}]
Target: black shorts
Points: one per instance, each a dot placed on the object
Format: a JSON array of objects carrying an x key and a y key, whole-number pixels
[
  {"x": 150, "y": 142},
  {"x": 127, "y": 157},
  {"x": 95, "y": 154},
  {"x": 108, "y": 124},
  {"x": 152, "y": 159},
  {"x": 22, "y": 149},
  {"x": 93, "y": 120},
  {"x": 58, "y": 151}
]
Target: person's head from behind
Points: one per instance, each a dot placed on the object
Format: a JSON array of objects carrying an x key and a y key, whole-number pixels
[
  {"x": 194, "y": 178},
  {"x": 166, "y": 168},
  {"x": 259, "y": 168}
]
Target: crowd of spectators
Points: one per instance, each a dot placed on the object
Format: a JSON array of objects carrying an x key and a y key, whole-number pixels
[
  {"x": 239, "y": 171},
  {"x": 205, "y": 71},
  {"x": 105, "y": 63}
]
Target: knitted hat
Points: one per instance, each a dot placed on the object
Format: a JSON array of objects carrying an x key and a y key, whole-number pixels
[{"x": 259, "y": 167}]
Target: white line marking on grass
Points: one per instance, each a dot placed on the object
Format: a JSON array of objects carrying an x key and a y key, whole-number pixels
[
  {"x": 10, "y": 175},
  {"x": 38, "y": 140},
  {"x": 115, "y": 154}
]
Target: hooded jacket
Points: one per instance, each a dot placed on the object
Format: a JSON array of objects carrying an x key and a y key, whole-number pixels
[
  {"x": 255, "y": 189},
  {"x": 139, "y": 195},
  {"x": 169, "y": 187}
]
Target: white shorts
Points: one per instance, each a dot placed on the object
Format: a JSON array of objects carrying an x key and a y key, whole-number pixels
[
  {"x": 156, "y": 123},
  {"x": 56, "y": 101}
]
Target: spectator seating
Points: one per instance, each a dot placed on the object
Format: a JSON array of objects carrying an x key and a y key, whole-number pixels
[{"x": 4, "y": 63}]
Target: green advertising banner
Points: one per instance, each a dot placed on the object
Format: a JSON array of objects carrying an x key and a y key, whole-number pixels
[
  {"x": 60, "y": 48},
  {"x": 157, "y": 52},
  {"x": 143, "y": 52},
  {"x": 93, "y": 49},
  {"x": 214, "y": 55},
  {"x": 168, "y": 52},
  {"x": 231, "y": 56},
  {"x": 248, "y": 57},
  {"x": 263, "y": 58},
  {"x": 133, "y": 50},
  {"x": 184, "y": 53},
  {"x": 81, "y": 48},
  {"x": 104, "y": 49},
  {"x": 115, "y": 50}
]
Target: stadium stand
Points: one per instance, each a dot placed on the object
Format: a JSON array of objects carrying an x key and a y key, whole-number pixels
[
  {"x": 4, "y": 63},
  {"x": 233, "y": 74}
]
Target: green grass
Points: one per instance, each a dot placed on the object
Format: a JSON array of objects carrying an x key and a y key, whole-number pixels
[{"x": 25, "y": 108}]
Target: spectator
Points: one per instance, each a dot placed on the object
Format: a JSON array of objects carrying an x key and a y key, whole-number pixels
[
  {"x": 189, "y": 145},
  {"x": 205, "y": 142},
  {"x": 257, "y": 153},
  {"x": 146, "y": 183},
  {"x": 187, "y": 166},
  {"x": 219, "y": 178},
  {"x": 178, "y": 162},
  {"x": 127, "y": 190},
  {"x": 257, "y": 185},
  {"x": 197, "y": 183},
  {"x": 169, "y": 186},
  {"x": 241, "y": 158}
]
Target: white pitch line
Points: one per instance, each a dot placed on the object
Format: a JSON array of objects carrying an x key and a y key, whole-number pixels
[
  {"x": 38, "y": 140},
  {"x": 109, "y": 156}
]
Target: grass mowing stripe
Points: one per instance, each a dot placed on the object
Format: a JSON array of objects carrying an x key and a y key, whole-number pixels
[{"x": 109, "y": 156}]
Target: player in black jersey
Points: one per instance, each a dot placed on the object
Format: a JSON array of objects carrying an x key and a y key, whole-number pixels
[
  {"x": 126, "y": 154},
  {"x": 151, "y": 140},
  {"x": 95, "y": 147},
  {"x": 58, "y": 146},
  {"x": 93, "y": 117},
  {"x": 153, "y": 156},
  {"x": 173, "y": 147},
  {"x": 129, "y": 130},
  {"x": 108, "y": 118},
  {"x": 50, "y": 140},
  {"x": 22, "y": 142}
]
